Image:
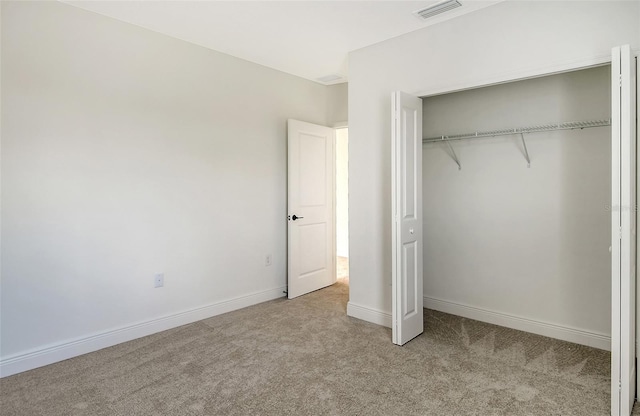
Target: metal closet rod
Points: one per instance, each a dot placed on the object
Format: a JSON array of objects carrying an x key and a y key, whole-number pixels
[{"x": 571, "y": 125}]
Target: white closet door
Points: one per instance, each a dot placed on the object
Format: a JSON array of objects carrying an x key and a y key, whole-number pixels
[
  {"x": 406, "y": 167},
  {"x": 623, "y": 235}
]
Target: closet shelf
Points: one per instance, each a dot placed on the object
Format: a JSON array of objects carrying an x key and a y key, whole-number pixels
[{"x": 572, "y": 125}]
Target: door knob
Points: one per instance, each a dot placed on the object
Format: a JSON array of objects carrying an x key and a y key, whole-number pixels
[{"x": 295, "y": 217}]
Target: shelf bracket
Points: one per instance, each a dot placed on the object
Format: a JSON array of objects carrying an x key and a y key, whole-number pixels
[
  {"x": 453, "y": 154},
  {"x": 526, "y": 151}
]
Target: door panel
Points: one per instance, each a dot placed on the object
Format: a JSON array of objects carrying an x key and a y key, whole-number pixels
[
  {"x": 313, "y": 245},
  {"x": 406, "y": 185},
  {"x": 311, "y": 228},
  {"x": 312, "y": 170},
  {"x": 409, "y": 260},
  {"x": 623, "y": 235}
]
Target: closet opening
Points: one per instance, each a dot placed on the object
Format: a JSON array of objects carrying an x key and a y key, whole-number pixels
[{"x": 517, "y": 227}]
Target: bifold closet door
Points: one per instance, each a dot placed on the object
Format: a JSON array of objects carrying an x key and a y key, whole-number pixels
[
  {"x": 623, "y": 231},
  {"x": 406, "y": 191}
]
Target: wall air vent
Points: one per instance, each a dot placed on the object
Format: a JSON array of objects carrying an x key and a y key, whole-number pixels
[{"x": 436, "y": 9}]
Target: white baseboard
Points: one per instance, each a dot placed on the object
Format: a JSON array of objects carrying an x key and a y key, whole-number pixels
[
  {"x": 368, "y": 314},
  {"x": 65, "y": 350},
  {"x": 564, "y": 333}
]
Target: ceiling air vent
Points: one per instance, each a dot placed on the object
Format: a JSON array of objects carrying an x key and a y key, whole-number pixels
[
  {"x": 329, "y": 78},
  {"x": 441, "y": 7}
]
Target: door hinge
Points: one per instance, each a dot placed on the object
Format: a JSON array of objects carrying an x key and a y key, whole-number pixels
[{"x": 620, "y": 235}]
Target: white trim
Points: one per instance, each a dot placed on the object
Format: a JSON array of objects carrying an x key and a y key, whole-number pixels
[
  {"x": 519, "y": 75},
  {"x": 65, "y": 350},
  {"x": 340, "y": 125},
  {"x": 369, "y": 314},
  {"x": 564, "y": 333}
]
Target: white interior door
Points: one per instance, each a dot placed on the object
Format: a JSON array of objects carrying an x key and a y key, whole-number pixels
[
  {"x": 311, "y": 224},
  {"x": 406, "y": 168},
  {"x": 623, "y": 227}
]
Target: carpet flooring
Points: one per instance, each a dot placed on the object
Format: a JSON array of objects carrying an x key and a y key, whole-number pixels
[{"x": 306, "y": 357}]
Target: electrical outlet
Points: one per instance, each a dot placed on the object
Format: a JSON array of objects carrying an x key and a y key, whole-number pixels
[
  {"x": 158, "y": 280},
  {"x": 267, "y": 260}
]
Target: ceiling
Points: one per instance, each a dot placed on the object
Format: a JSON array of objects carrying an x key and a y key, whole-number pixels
[{"x": 310, "y": 39}]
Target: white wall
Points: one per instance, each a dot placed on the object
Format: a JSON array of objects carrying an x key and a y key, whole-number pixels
[
  {"x": 508, "y": 41},
  {"x": 522, "y": 242},
  {"x": 337, "y": 104},
  {"x": 126, "y": 153}
]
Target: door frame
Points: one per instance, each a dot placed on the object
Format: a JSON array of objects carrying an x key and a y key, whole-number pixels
[
  {"x": 542, "y": 72},
  {"x": 338, "y": 126}
]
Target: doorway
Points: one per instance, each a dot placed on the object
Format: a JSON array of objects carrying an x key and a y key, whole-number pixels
[
  {"x": 342, "y": 204},
  {"x": 514, "y": 222},
  {"x": 317, "y": 194}
]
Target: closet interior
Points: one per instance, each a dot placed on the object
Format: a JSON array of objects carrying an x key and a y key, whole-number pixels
[{"x": 516, "y": 205}]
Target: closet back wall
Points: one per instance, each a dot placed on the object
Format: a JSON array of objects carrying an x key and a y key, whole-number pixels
[{"x": 523, "y": 247}]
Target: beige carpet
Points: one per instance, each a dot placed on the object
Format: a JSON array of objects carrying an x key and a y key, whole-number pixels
[{"x": 306, "y": 357}]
